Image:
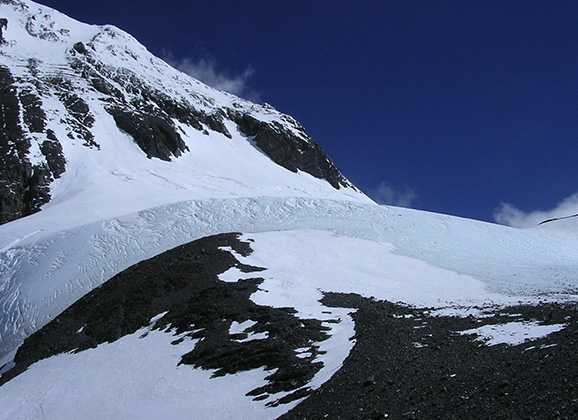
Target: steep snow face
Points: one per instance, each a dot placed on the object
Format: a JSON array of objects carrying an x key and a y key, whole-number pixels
[{"x": 97, "y": 126}]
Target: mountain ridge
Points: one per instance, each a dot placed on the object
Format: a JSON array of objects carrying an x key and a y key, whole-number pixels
[{"x": 61, "y": 79}]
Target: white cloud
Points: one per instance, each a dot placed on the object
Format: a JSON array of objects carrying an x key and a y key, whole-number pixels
[
  {"x": 207, "y": 71},
  {"x": 507, "y": 214},
  {"x": 386, "y": 194}
]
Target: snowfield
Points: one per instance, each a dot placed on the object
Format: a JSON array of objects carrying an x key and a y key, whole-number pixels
[{"x": 418, "y": 257}]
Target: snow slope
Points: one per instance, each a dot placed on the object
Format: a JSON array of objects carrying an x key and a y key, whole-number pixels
[
  {"x": 121, "y": 388},
  {"x": 41, "y": 274},
  {"x": 106, "y": 172},
  {"x": 301, "y": 264}
]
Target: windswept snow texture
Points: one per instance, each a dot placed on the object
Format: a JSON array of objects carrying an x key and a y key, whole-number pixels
[{"x": 418, "y": 257}]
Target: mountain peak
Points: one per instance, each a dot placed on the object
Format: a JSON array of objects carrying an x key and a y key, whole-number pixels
[{"x": 79, "y": 96}]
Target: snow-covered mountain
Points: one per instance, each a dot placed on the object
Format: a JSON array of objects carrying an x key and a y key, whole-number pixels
[
  {"x": 170, "y": 250},
  {"x": 92, "y": 117}
]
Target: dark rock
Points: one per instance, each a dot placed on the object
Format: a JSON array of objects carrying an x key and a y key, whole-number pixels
[
  {"x": 81, "y": 119},
  {"x": 104, "y": 87},
  {"x": 78, "y": 108},
  {"x": 156, "y": 136},
  {"x": 153, "y": 113},
  {"x": 288, "y": 150},
  {"x": 52, "y": 151},
  {"x": 23, "y": 188},
  {"x": 3, "y": 26},
  {"x": 34, "y": 116},
  {"x": 80, "y": 48},
  {"x": 147, "y": 114},
  {"x": 450, "y": 376},
  {"x": 184, "y": 113},
  {"x": 37, "y": 192},
  {"x": 184, "y": 283}
]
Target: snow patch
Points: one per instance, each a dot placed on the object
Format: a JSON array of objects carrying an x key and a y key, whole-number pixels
[
  {"x": 512, "y": 333},
  {"x": 240, "y": 327},
  {"x": 138, "y": 376}
]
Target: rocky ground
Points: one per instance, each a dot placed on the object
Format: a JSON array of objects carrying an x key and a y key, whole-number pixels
[
  {"x": 407, "y": 365},
  {"x": 183, "y": 285}
]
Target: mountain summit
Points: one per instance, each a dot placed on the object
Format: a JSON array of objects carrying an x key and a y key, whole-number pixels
[{"x": 87, "y": 108}]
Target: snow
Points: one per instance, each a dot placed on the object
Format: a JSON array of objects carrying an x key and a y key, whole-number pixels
[
  {"x": 7, "y": 362},
  {"x": 138, "y": 376},
  {"x": 117, "y": 178},
  {"x": 513, "y": 333},
  {"x": 113, "y": 207},
  {"x": 253, "y": 337},
  {"x": 467, "y": 263},
  {"x": 240, "y": 327},
  {"x": 303, "y": 354},
  {"x": 22, "y": 45},
  {"x": 314, "y": 261},
  {"x": 349, "y": 247},
  {"x": 459, "y": 312}
]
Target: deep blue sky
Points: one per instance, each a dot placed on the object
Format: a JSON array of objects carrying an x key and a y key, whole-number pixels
[{"x": 468, "y": 103}]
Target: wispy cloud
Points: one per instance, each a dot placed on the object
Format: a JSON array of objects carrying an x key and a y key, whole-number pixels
[
  {"x": 508, "y": 214},
  {"x": 384, "y": 193},
  {"x": 208, "y": 71}
]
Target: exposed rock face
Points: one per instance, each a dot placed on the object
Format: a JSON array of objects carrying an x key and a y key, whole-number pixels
[
  {"x": 3, "y": 26},
  {"x": 24, "y": 187},
  {"x": 34, "y": 116},
  {"x": 141, "y": 111},
  {"x": 80, "y": 118},
  {"x": 288, "y": 150},
  {"x": 183, "y": 284},
  {"x": 157, "y": 137},
  {"x": 52, "y": 149}
]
